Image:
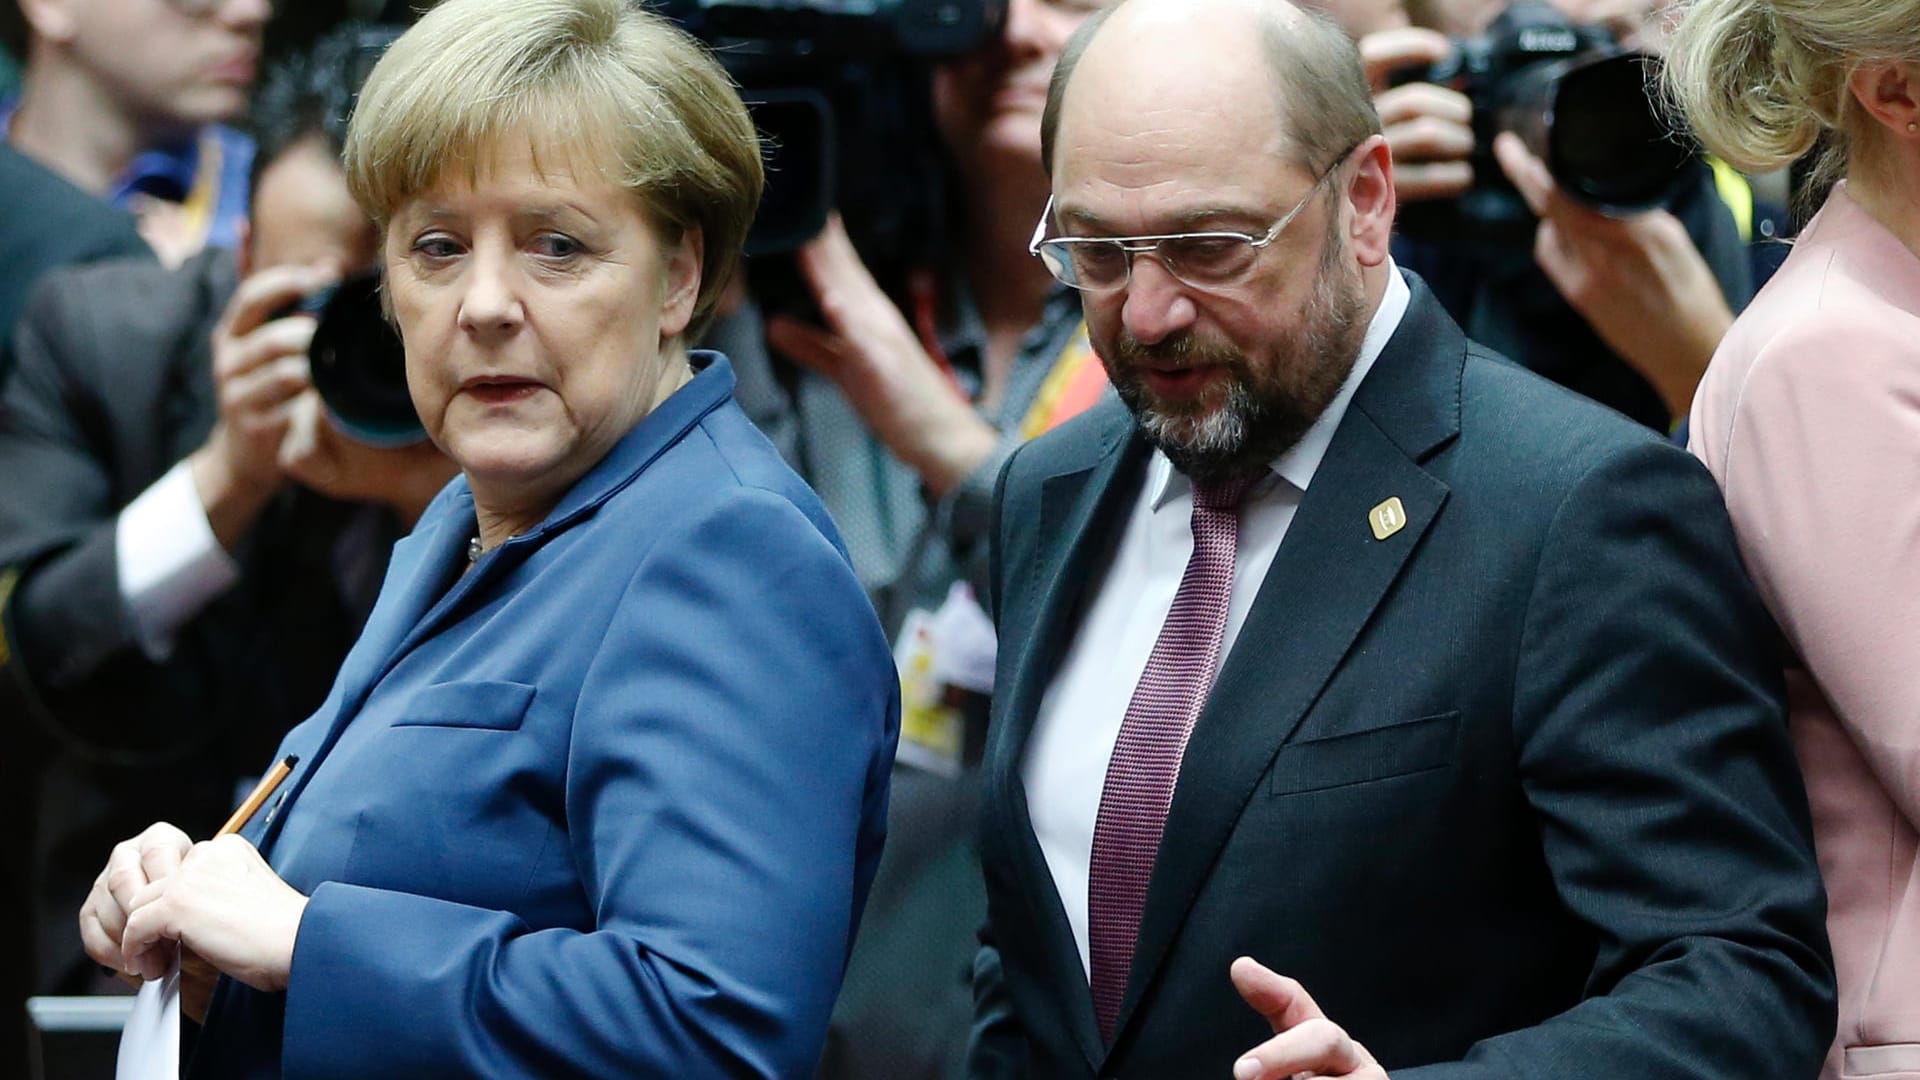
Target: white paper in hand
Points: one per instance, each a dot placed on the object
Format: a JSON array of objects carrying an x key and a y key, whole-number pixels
[{"x": 150, "y": 1043}]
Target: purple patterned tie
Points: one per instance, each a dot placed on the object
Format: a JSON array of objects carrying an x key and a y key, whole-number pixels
[{"x": 1153, "y": 737}]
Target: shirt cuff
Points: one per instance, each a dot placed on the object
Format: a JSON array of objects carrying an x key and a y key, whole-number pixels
[{"x": 170, "y": 563}]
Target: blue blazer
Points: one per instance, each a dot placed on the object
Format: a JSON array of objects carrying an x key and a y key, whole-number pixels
[{"x": 607, "y": 805}]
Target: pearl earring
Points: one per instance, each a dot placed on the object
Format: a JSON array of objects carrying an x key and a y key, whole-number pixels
[{"x": 1913, "y": 127}]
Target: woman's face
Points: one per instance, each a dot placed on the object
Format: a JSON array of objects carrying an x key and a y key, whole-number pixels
[
  {"x": 988, "y": 103},
  {"x": 541, "y": 311}
]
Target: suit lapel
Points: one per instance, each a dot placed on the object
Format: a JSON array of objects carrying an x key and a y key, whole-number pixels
[
  {"x": 1083, "y": 511},
  {"x": 397, "y": 615},
  {"x": 1325, "y": 582}
]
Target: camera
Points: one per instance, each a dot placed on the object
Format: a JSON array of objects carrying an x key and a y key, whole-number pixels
[
  {"x": 1584, "y": 105},
  {"x": 359, "y": 366},
  {"x": 838, "y": 89}
]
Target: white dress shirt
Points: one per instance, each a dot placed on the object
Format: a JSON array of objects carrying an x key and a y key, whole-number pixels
[
  {"x": 1079, "y": 719},
  {"x": 171, "y": 565}
]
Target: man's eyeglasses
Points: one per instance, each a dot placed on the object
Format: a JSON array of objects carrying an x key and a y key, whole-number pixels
[{"x": 1203, "y": 260}]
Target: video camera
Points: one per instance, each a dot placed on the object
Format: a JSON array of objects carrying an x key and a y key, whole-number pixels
[
  {"x": 838, "y": 89},
  {"x": 1583, "y": 104}
]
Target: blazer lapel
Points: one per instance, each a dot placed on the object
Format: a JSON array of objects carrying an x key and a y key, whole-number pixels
[
  {"x": 1325, "y": 582},
  {"x": 416, "y": 585}
]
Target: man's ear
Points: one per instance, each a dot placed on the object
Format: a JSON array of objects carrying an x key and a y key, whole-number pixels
[
  {"x": 1890, "y": 93},
  {"x": 51, "y": 20},
  {"x": 683, "y": 270},
  {"x": 1370, "y": 200}
]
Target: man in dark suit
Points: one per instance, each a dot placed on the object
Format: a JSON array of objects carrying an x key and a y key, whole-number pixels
[
  {"x": 187, "y": 548},
  {"x": 1492, "y": 780},
  {"x": 49, "y": 223}
]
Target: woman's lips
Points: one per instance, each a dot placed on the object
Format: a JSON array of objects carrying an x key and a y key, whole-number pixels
[{"x": 501, "y": 391}]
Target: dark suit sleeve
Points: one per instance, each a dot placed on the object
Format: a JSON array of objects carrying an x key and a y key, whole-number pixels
[
  {"x": 1652, "y": 747},
  {"x": 995, "y": 1046},
  {"x": 72, "y": 658},
  {"x": 725, "y": 792}
]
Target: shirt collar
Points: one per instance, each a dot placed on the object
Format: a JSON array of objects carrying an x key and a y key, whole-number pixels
[{"x": 1300, "y": 461}]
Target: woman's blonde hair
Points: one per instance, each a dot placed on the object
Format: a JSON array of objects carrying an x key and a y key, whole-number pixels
[
  {"x": 607, "y": 84},
  {"x": 1762, "y": 81}
]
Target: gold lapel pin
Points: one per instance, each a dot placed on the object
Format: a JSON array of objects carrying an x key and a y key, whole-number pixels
[{"x": 1387, "y": 518}]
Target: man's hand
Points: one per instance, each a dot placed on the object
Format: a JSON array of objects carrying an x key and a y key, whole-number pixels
[
  {"x": 259, "y": 367},
  {"x": 1428, "y": 128},
  {"x": 1305, "y": 1043},
  {"x": 871, "y": 353},
  {"x": 1638, "y": 280},
  {"x": 316, "y": 454},
  {"x": 223, "y": 902}
]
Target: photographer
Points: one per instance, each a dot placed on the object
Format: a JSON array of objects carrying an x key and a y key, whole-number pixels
[
  {"x": 1623, "y": 307},
  {"x": 187, "y": 546},
  {"x": 901, "y": 420}
]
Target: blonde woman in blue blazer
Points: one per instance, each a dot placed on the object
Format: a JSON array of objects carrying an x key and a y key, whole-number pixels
[{"x": 600, "y": 790}]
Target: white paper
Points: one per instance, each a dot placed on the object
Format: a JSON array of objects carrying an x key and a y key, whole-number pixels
[{"x": 150, "y": 1043}]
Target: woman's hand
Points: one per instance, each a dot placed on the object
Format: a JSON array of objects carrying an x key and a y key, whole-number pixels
[
  {"x": 133, "y": 866},
  {"x": 868, "y": 349},
  {"x": 222, "y": 901}
]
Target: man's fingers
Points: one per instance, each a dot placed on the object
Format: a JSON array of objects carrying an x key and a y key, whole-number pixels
[
  {"x": 1317, "y": 1047},
  {"x": 1528, "y": 173},
  {"x": 1425, "y": 139},
  {"x": 278, "y": 339},
  {"x": 1388, "y": 51},
  {"x": 1283, "y": 1001},
  {"x": 1433, "y": 180},
  {"x": 261, "y": 295},
  {"x": 260, "y": 392},
  {"x": 1415, "y": 100}
]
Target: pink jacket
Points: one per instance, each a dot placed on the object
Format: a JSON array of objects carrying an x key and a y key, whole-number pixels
[{"x": 1809, "y": 417}]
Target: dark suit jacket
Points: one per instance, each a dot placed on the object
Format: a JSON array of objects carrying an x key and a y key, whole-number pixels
[
  {"x": 48, "y": 223},
  {"x": 1508, "y": 791},
  {"x": 114, "y": 386}
]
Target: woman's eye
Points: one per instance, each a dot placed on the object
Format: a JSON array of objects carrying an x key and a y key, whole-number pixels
[
  {"x": 436, "y": 247},
  {"x": 556, "y": 246}
]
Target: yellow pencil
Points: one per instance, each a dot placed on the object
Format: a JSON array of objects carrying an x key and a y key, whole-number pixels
[{"x": 261, "y": 792}]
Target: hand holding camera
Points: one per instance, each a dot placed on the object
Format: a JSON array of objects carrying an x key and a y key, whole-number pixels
[
  {"x": 1429, "y": 128},
  {"x": 259, "y": 367},
  {"x": 316, "y": 454}
]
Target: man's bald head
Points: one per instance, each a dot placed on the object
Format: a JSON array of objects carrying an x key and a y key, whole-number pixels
[{"x": 1313, "y": 70}]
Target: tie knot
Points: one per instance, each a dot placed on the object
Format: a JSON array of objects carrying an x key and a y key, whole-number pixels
[{"x": 1222, "y": 496}]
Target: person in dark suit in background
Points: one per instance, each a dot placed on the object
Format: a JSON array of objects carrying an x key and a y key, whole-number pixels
[
  {"x": 186, "y": 549},
  {"x": 1493, "y": 779},
  {"x": 49, "y": 223}
]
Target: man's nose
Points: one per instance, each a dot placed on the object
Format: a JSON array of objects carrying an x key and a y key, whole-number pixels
[{"x": 1157, "y": 305}]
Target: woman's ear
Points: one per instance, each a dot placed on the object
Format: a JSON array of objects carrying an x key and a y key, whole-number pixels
[
  {"x": 1890, "y": 93},
  {"x": 683, "y": 270}
]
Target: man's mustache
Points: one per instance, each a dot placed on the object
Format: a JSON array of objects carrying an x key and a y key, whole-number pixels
[{"x": 1179, "y": 350}]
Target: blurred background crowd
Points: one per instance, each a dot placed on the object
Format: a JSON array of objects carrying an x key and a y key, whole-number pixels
[{"x": 206, "y": 451}]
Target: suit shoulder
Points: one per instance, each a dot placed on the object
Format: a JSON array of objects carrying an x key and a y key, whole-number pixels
[
  {"x": 1075, "y": 444},
  {"x": 131, "y": 305},
  {"x": 1522, "y": 423}
]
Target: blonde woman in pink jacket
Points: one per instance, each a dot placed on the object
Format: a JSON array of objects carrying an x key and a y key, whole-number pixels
[{"x": 1809, "y": 416}]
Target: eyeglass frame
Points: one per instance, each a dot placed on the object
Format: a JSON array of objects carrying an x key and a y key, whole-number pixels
[{"x": 1149, "y": 244}]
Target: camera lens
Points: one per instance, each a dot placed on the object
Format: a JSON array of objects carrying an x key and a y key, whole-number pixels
[
  {"x": 360, "y": 367},
  {"x": 1610, "y": 145}
]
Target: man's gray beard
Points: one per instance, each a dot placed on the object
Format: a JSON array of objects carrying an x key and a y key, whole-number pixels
[{"x": 1263, "y": 414}]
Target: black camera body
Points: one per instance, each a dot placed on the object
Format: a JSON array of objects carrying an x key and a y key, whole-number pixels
[
  {"x": 838, "y": 89},
  {"x": 359, "y": 366},
  {"x": 1583, "y": 104}
]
